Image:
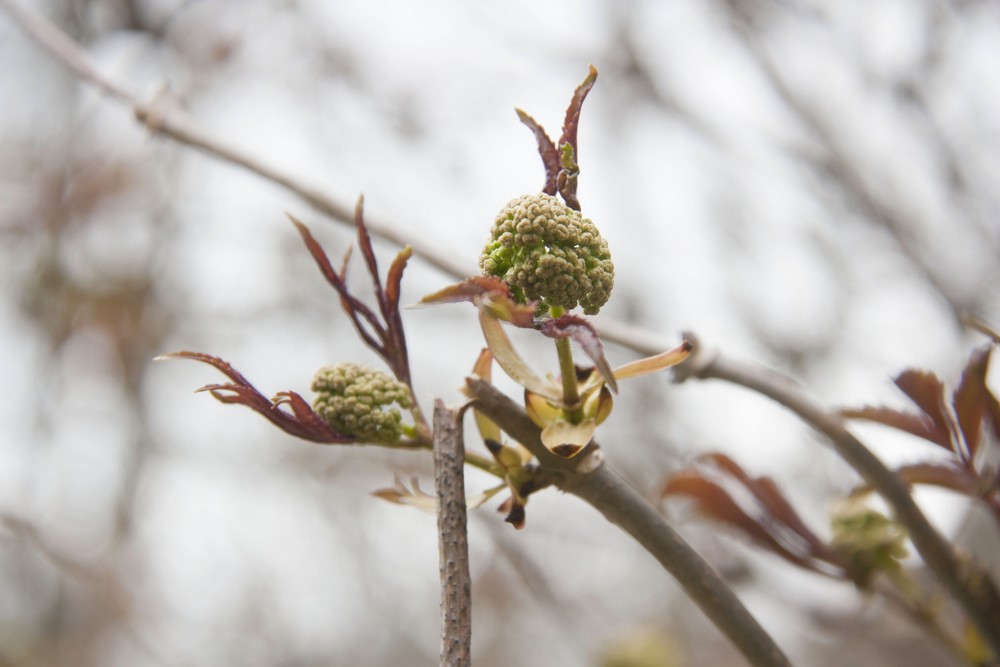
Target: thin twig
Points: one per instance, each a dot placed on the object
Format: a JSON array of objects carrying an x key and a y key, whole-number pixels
[
  {"x": 170, "y": 122},
  {"x": 588, "y": 478},
  {"x": 453, "y": 540},
  {"x": 968, "y": 583}
]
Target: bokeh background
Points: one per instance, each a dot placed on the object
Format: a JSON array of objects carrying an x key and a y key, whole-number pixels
[{"x": 807, "y": 184}]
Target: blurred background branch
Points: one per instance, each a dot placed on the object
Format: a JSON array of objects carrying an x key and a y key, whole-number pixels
[{"x": 808, "y": 184}]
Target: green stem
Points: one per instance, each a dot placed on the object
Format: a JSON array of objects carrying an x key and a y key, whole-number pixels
[{"x": 571, "y": 396}]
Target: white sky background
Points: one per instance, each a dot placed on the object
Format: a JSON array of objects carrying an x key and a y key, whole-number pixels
[{"x": 247, "y": 547}]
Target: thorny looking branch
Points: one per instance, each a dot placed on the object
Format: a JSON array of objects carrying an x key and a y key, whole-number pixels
[{"x": 967, "y": 581}]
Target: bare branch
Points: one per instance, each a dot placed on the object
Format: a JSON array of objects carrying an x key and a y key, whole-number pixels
[
  {"x": 172, "y": 123},
  {"x": 453, "y": 539}
]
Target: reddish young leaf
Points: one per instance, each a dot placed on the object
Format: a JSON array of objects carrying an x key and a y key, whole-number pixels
[
  {"x": 491, "y": 295},
  {"x": 365, "y": 243},
  {"x": 365, "y": 322},
  {"x": 394, "y": 278},
  {"x": 302, "y": 422},
  {"x": 546, "y": 149},
  {"x": 918, "y": 425},
  {"x": 927, "y": 391},
  {"x": 572, "y": 121},
  {"x": 470, "y": 289},
  {"x": 385, "y": 336},
  {"x": 993, "y": 411},
  {"x": 583, "y": 332},
  {"x": 971, "y": 399},
  {"x": 944, "y": 475},
  {"x": 712, "y": 500},
  {"x": 766, "y": 492}
]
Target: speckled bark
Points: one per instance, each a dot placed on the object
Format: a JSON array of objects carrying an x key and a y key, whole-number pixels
[{"x": 453, "y": 542}]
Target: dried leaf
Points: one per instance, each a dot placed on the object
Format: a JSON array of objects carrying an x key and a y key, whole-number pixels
[
  {"x": 511, "y": 362},
  {"x": 488, "y": 429},
  {"x": 655, "y": 363},
  {"x": 583, "y": 333},
  {"x": 514, "y": 509},
  {"x": 605, "y": 403},
  {"x": 541, "y": 410},
  {"x": 566, "y": 439},
  {"x": 400, "y": 494}
]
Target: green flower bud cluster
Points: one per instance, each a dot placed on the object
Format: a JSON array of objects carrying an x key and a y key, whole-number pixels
[
  {"x": 358, "y": 401},
  {"x": 870, "y": 541},
  {"x": 547, "y": 251}
]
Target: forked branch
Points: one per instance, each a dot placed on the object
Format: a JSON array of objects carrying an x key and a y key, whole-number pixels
[
  {"x": 594, "y": 482},
  {"x": 967, "y": 582}
]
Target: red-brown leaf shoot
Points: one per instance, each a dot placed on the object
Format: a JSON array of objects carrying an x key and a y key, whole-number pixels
[
  {"x": 715, "y": 502},
  {"x": 571, "y": 123},
  {"x": 766, "y": 492},
  {"x": 919, "y": 425},
  {"x": 546, "y": 149},
  {"x": 301, "y": 422},
  {"x": 971, "y": 399}
]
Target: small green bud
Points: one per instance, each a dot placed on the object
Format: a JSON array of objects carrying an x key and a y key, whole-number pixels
[
  {"x": 361, "y": 402},
  {"x": 869, "y": 541},
  {"x": 546, "y": 251}
]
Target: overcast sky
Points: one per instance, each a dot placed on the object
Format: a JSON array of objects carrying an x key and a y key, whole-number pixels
[{"x": 808, "y": 185}]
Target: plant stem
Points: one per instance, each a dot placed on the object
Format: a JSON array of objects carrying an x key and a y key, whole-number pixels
[
  {"x": 968, "y": 583},
  {"x": 453, "y": 539},
  {"x": 588, "y": 478},
  {"x": 571, "y": 394}
]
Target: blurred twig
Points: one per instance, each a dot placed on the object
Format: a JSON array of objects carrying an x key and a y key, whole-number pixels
[
  {"x": 590, "y": 479},
  {"x": 841, "y": 169},
  {"x": 968, "y": 583},
  {"x": 165, "y": 119},
  {"x": 453, "y": 539}
]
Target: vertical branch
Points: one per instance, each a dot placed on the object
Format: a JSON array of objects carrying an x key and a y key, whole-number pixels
[{"x": 453, "y": 539}]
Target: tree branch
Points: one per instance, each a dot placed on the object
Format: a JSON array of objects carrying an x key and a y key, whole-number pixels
[
  {"x": 453, "y": 540},
  {"x": 968, "y": 583},
  {"x": 587, "y": 477},
  {"x": 170, "y": 122}
]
